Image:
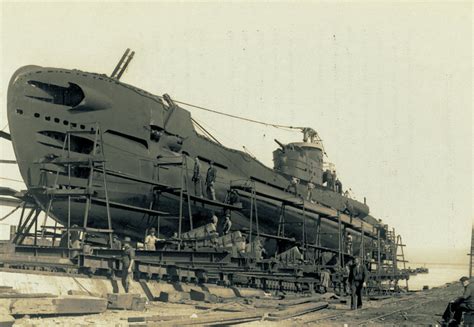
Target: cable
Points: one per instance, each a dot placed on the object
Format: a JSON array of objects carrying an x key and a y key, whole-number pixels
[
  {"x": 205, "y": 131},
  {"x": 240, "y": 117}
]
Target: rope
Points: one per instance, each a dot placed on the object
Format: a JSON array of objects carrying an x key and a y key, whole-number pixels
[
  {"x": 240, "y": 117},
  {"x": 205, "y": 131}
]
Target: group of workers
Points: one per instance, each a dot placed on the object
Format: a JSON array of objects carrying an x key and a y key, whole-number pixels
[
  {"x": 329, "y": 177},
  {"x": 211, "y": 177},
  {"x": 227, "y": 223},
  {"x": 332, "y": 182}
]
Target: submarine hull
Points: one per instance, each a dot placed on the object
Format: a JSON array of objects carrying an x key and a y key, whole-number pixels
[{"x": 141, "y": 134}]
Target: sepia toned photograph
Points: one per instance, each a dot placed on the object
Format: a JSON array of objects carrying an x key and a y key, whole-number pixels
[{"x": 218, "y": 163}]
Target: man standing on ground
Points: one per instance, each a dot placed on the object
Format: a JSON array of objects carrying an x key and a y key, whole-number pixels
[
  {"x": 210, "y": 181},
  {"x": 453, "y": 313},
  {"x": 357, "y": 279},
  {"x": 128, "y": 258}
]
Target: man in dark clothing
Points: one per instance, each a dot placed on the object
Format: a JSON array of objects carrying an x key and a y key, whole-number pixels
[
  {"x": 210, "y": 181},
  {"x": 128, "y": 258},
  {"x": 358, "y": 276},
  {"x": 196, "y": 179},
  {"x": 453, "y": 313},
  {"x": 328, "y": 177}
]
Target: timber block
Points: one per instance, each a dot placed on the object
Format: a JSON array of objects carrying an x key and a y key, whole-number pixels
[
  {"x": 138, "y": 304},
  {"x": 296, "y": 310},
  {"x": 125, "y": 301},
  {"x": 6, "y": 320},
  {"x": 248, "y": 292},
  {"x": 203, "y": 296},
  {"x": 220, "y": 291},
  {"x": 6, "y": 289},
  {"x": 59, "y": 305},
  {"x": 174, "y": 297}
]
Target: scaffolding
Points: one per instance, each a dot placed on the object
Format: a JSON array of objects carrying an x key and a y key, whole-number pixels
[{"x": 383, "y": 257}]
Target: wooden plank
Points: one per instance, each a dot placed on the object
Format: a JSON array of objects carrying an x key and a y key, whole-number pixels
[
  {"x": 62, "y": 305},
  {"x": 221, "y": 319},
  {"x": 157, "y": 318},
  {"x": 7, "y": 289},
  {"x": 296, "y": 311},
  {"x": 301, "y": 300},
  {"x": 26, "y": 296},
  {"x": 129, "y": 207}
]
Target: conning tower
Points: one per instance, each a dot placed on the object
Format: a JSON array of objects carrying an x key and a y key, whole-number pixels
[{"x": 303, "y": 160}]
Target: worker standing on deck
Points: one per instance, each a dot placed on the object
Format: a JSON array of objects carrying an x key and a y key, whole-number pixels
[
  {"x": 227, "y": 224},
  {"x": 214, "y": 220},
  {"x": 150, "y": 240},
  {"x": 196, "y": 179},
  {"x": 309, "y": 196},
  {"x": 293, "y": 185},
  {"x": 210, "y": 181},
  {"x": 116, "y": 244},
  {"x": 128, "y": 259},
  {"x": 358, "y": 275},
  {"x": 338, "y": 185},
  {"x": 328, "y": 177},
  {"x": 465, "y": 303}
]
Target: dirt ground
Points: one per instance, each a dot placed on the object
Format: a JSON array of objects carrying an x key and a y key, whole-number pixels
[{"x": 419, "y": 308}]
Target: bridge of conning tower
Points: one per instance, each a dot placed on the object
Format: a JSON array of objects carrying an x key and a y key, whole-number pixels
[{"x": 303, "y": 160}]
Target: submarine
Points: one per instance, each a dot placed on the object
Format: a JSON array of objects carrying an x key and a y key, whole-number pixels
[{"x": 149, "y": 145}]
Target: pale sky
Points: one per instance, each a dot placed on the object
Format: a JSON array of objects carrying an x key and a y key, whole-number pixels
[{"x": 387, "y": 86}]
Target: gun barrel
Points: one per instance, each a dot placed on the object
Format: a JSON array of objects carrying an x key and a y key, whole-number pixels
[{"x": 280, "y": 144}]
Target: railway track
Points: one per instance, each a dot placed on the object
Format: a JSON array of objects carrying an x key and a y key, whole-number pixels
[{"x": 389, "y": 311}]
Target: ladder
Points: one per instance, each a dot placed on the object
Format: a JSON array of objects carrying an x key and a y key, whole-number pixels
[
  {"x": 253, "y": 211},
  {"x": 281, "y": 221},
  {"x": 401, "y": 255},
  {"x": 184, "y": 185},
  {"x": 184, "y": 190},
  {"x": 94, "y": 162}
]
